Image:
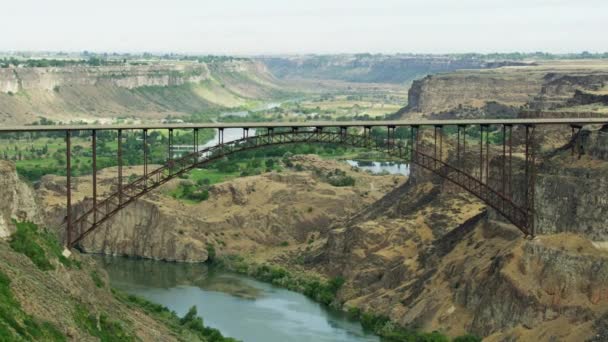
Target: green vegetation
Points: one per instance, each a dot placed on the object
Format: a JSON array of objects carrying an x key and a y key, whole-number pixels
[
  {"x": 337, "y": 178},
  {"x": 16, "y": 325},
  {"x": 101, "y": 326},
  {"x": 97, "y": 279},
  {"x": 391, "y": 332},
  {"x": 187, "y": 327},
  {"x": 40, "y": 246},
  {"x": 320, "y": 290},
  {"x": 191, "y": 192},
  {"x": 211, "y": 254},
  {"x": 46, "y": 63}
]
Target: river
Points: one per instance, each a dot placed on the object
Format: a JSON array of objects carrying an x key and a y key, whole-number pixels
[{"x": 239, "y": 306}]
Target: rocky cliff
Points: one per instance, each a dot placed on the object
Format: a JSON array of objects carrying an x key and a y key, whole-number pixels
[
  {"x": 545, "y": 87},
  {"x": 145, "y": 91},
  {"x": 18, "y": 200}
]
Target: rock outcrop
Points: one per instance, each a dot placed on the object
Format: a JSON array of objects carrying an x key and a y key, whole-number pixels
[
  {"x": 535, "y": 90},
  {"x": 18, "y": 200}
]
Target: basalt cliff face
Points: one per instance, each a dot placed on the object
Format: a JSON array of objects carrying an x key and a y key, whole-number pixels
[
  {"x": 248, "y": 214},
  {"x": 547, "y": 89},
  {"x": 142, "y": 91}
]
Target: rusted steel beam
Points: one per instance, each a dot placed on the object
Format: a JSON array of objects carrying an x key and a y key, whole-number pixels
[
  {"x": 398, "y": 123},
  {"x": 510, "y": 161},
  {"x": 94, "y": 165},
  {"x": 504, "y": 159},
  {"x": 532, "y": 183},
  {"x": 68, "y": 188},
  {"x": 120, "y": 166},
  {"x": 481, "y": 153},
  {"x": 145, "y": 148},
  {"x": 458, "y": 146},
  {"x": 440, "y": 142},
  {"x": 487, "y": 155},
  {"x": 464, "y": 142}
]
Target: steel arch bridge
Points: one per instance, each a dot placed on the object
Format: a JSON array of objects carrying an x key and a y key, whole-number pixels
[{"x": 428, "y": 155}]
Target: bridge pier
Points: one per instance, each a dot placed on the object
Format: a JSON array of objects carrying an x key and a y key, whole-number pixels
[
  {"x": 94, "y": 166},
  {"x": 68, "y": 188}
]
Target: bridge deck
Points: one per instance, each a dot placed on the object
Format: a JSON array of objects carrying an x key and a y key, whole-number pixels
[{"x": 397, "y": 123}]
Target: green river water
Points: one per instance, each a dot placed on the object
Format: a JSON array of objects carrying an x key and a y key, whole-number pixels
[{"x": 237, "y": 305}]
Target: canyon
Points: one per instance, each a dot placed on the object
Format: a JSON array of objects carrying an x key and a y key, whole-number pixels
[{"x": 417, "y": 250}]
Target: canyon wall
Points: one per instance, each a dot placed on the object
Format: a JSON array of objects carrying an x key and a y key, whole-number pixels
[
  {"x": 151, "y": 91},
  {"x": 370, "y": 68},
  {"x": 533, "y": 90}
]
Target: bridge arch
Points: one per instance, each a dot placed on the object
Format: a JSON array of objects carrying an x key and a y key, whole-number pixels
[{"x": 103, "y": 210}]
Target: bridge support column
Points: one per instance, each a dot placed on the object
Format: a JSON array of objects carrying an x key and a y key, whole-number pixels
[
  {"x": 170, "y": 147},
  {"x": 145, "y": 148},
  {"x": 487, "y": 155},
  {"x": 510, "y": 162},
  {"x": 120, "y": 166},
  {"x": 68, "y": 188},
  {"x": 481, "y": 153},
  {"x": 94, "y": 164},
  {"x": 530, "y": 174}
]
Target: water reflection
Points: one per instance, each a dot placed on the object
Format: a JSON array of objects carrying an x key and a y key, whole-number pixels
[{"x": 381, "y": 167}]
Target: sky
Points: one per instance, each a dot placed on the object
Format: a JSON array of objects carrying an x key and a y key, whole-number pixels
[{"x": 248, "y": 27}]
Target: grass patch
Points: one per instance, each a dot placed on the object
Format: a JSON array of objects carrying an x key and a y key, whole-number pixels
[
  {"x": 101, "y": 326},
  {"x": 16, "y": 325},
  {"x": 97, "y": 279},
  {"x": 40, "y": 246},
  {"x": 389, "y": 331}
]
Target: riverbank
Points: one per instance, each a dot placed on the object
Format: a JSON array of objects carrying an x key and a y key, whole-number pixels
[{"x": 325, "y": 291}]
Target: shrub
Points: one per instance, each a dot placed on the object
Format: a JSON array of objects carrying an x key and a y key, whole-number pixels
[
  {"x": 211, "y": 254},
  {"x": 97, "y": 279}
]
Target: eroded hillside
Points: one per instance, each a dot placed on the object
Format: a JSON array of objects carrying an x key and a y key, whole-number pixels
[{"x": 151, "y": 91}]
